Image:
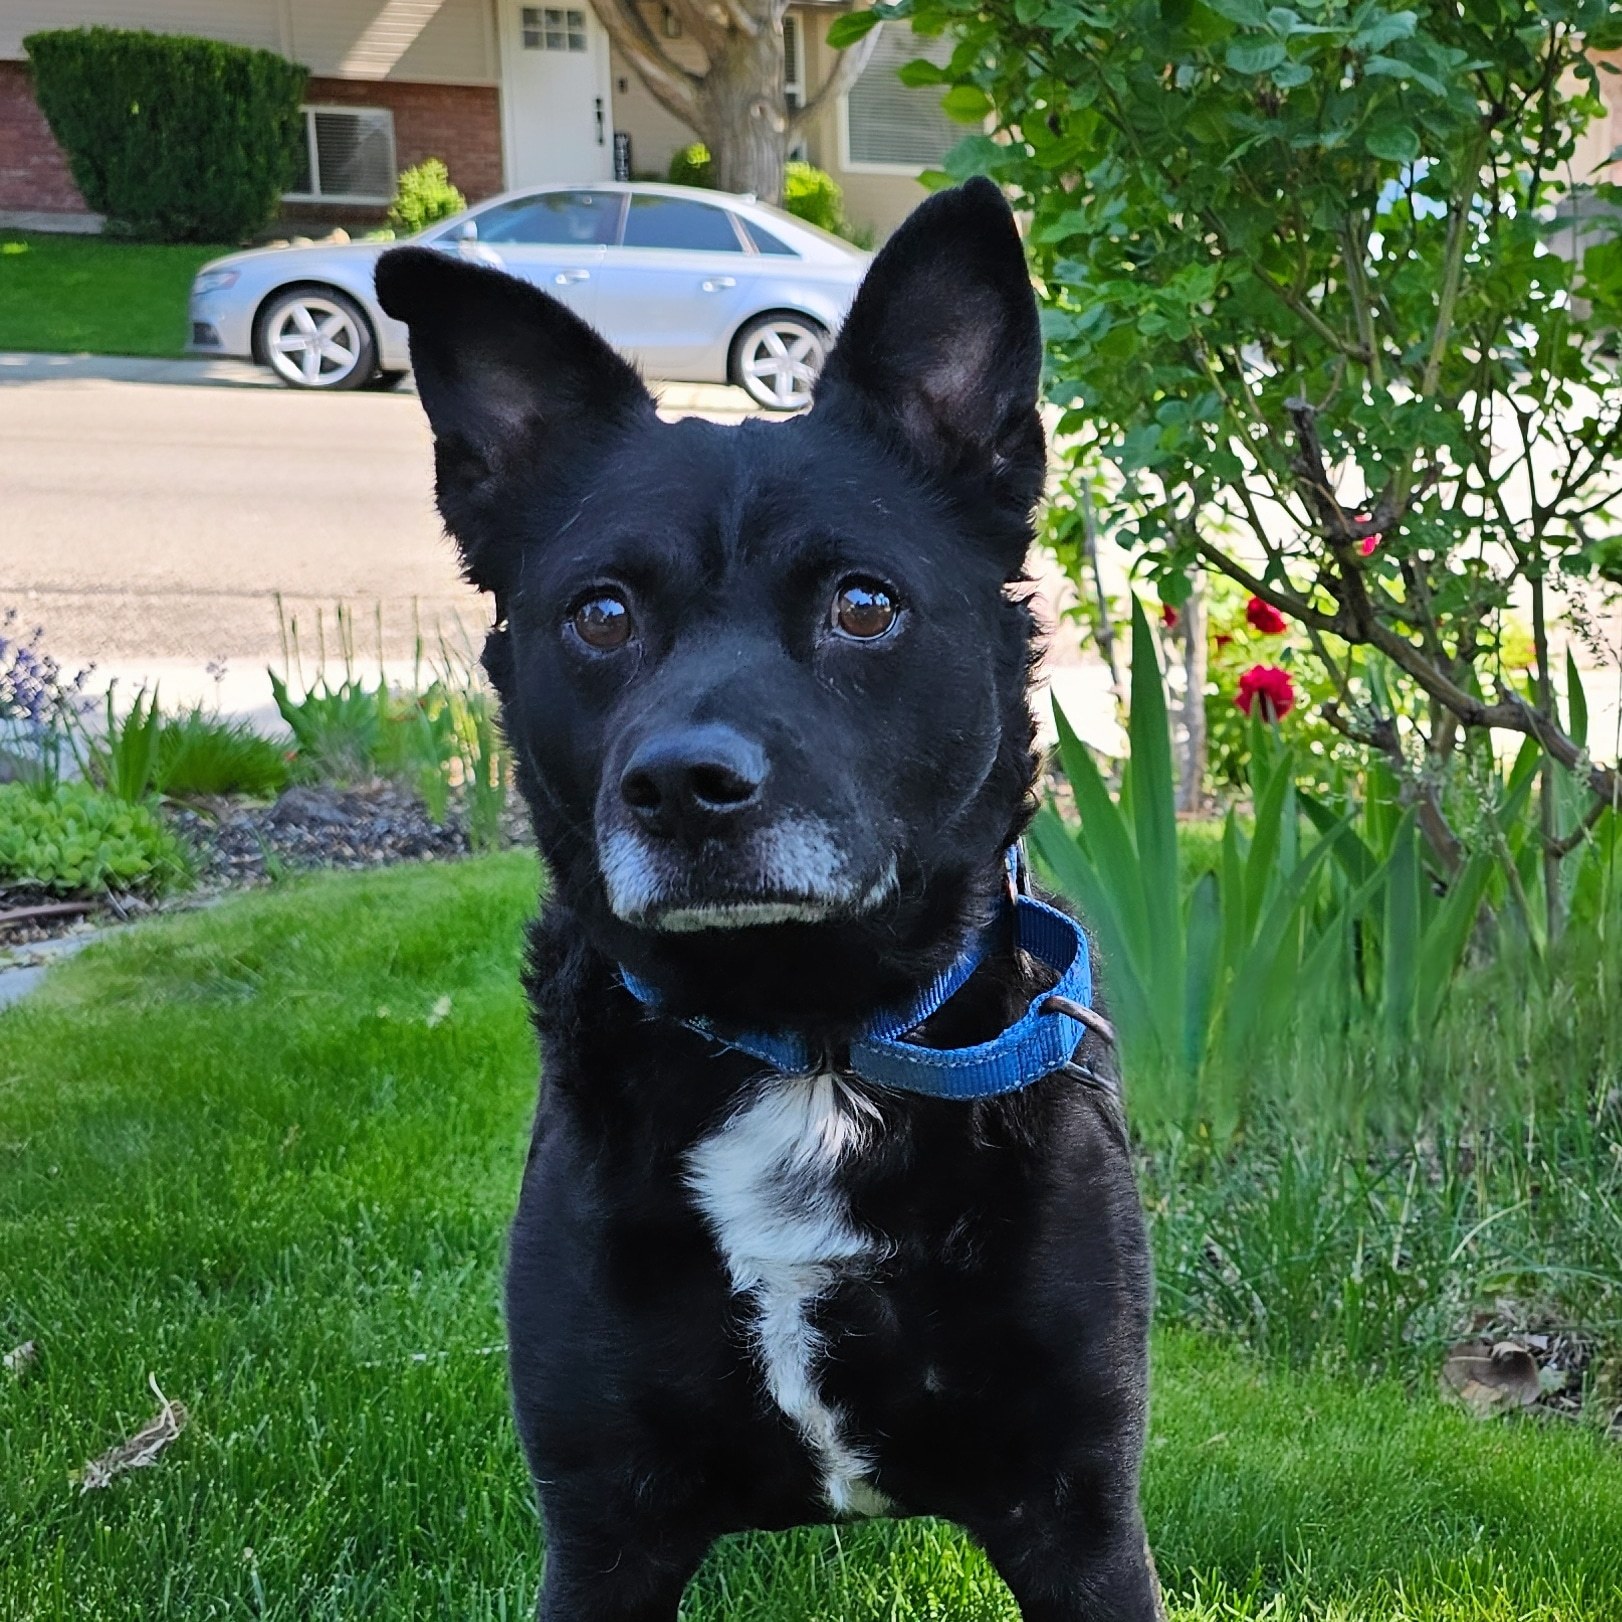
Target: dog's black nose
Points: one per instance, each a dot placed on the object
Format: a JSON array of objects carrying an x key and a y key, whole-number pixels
[{"x": 693, "y": 782}]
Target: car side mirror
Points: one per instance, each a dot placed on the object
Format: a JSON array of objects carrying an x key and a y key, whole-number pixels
[{"x": 468, "y": 231}]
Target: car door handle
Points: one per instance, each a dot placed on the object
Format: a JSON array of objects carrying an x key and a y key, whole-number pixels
[
  {"x": 714, "y": 284},
  {"x": 564, "y": 277}
]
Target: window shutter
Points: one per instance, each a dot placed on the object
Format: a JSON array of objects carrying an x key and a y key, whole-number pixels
[
  {"x": 354, "y": 153},
  {"x": 890, "y": 122}
]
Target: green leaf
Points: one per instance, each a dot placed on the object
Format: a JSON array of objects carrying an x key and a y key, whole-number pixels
[
  {"x": 1448, "y": 934},
  {"x": 1204, "y": 954},
  {"x": 1261, "y": 870},
  {"x": 1074, "y": 873},
  {"x": 1385, "y": 31},
  {"x": 966, "y": 103},
  {"x": 1576, "y": 701},
  {"x": 920, "y": 72},
  {"x": 1255, "y": 56},
  {"x": 853, "y": 26},
  {"x": 1247, "y": 13},
  {"x": 1400, "y": 939},
  {"x": 1106, "y": 839},
  {"x": 1256, "y": 981},
  {"x": 1396, "y": 143}
]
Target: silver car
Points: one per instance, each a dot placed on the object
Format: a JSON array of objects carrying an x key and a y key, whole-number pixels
[{"x": 696, "y": 286}]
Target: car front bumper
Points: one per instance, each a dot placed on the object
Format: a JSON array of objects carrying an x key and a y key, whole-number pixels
[{"x": 221, "y": 323}]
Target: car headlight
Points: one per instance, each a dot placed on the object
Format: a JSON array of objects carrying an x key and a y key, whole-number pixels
[{"x": 213, "y": 281}]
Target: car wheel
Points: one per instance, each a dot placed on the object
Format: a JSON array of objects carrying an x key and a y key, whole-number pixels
[
  {"x": 776, "y": 360},
  {"x": 318, "y": 338}
]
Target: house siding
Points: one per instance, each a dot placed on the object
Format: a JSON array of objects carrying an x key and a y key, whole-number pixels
[
  {"x": 432, "y": 63},
  {"x": 436, "y": 41}
]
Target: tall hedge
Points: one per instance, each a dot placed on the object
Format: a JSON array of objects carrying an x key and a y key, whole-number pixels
[{"x": 176, "y": 139}]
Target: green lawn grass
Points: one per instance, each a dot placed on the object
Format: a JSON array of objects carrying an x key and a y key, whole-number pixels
[
  {"x": 266, "y": 1152},
  {"x": 62, "y": 294}
]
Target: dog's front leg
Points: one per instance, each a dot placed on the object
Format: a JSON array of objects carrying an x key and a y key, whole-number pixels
[
  {"x": 1069, "y": 1566},
  {"x": 618, "y": 1573}
]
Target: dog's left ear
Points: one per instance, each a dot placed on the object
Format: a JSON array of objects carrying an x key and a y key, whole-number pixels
[
  {"x": 942, "y": 350},
  {"x": 508, "y": 377}
]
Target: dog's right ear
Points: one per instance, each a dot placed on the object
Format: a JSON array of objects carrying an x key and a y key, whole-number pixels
[{"x": 507, "y": 376}]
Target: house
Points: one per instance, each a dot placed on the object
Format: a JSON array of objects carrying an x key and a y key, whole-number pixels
[{"x": 507, "y": 94}]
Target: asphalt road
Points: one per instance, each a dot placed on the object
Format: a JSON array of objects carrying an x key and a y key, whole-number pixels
[
  {"x": 145, "y": 521},
  {"x": 149, "y": 528}
]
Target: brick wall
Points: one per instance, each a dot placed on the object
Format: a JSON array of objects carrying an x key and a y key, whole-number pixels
[
  {"x": 459, "y": 123},
  {"x": 34, "y": 172}
]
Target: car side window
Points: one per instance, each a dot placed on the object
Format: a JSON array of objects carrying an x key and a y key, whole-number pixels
[
  {"x": 763, "y": 240},
  {"x": 564, "y": 219},
  {"x": 676, "y": 222}
]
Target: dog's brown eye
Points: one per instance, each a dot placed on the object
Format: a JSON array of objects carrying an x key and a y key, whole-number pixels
[
  {"x": 863, "y": 609},
  {"x": 603, "y": 622}
]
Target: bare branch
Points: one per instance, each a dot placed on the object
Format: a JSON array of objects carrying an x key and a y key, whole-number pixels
[
  {"x": 674, "y": 87},
  {"x": 1381, "y": 734},
  {"x": 847, "y": 69}
]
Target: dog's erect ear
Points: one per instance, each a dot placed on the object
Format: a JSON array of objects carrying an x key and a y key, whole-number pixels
[
  {"x": 507, "y": 376},
  {"x": 942, "y": 349}
]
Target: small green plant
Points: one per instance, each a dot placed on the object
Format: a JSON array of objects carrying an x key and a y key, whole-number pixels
[
  {"x": 202, "y": 755},
  {"x": 813, "y": 195},
  {"x": 77, "y": 840},
  {"x": 1338, "y": 897},
  {"x": 482, "y": 753},
  {"x": 1192, "y": 976},
  {"x": 173, "y": 138},
  {"x": 337, "y": 729},
  {"x": 423, "y": 196},
  {"x": 124, "y": 760},
  {"x": 692, "y": 166}
]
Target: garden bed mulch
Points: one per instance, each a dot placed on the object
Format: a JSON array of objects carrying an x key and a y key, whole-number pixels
[{"x": 244, "y": 844}]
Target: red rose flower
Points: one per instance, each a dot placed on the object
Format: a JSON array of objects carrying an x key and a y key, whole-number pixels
[
  {"x": 1169, "y": 616},
  {"x": 1270, "y": 684},
  {"x": 1264, "y": 617},
  {"x": 1367, "y": 545}
]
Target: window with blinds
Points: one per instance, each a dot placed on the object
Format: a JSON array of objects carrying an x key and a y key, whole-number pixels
[
  {"x": 348, "y": 156},
  {"x": 793, "y": 57},
  {"x": 890, "y": 125}
]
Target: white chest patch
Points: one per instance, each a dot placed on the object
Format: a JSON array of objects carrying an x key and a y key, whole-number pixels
[{"x": 766, "y": 1182}]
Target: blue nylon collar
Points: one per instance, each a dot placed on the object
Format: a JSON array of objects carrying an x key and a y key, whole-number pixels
[{"x": 1043, "y": 1039}]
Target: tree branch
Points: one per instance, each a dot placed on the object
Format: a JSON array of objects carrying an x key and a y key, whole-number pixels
[
  {"x": 1381, "y": 734},
  {"x": 674, "y": 87},
  {"x": 846, "y": 70}
]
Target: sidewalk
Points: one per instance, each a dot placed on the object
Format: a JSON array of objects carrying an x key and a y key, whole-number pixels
[{"x": 716, "y": 401}]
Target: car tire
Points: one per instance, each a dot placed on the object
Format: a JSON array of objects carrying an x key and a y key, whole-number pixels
[
  {"x": 776, "y": 359},
  {"x": 382, "y": 382},
  {"x": 317, "y": 338}
]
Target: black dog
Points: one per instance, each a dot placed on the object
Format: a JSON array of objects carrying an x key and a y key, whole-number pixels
[{"x": 766, "y": 691}]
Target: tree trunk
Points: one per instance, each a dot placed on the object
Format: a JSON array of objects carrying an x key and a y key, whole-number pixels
[
  {"x": 743, "y": 115},
  {"x": 1191, "y": 786}
]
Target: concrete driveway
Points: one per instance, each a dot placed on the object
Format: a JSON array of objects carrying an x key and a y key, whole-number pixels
[{"x": 149, "y": 525}]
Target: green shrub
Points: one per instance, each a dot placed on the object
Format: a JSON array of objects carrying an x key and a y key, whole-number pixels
[
  {"x": 201, "y": 754},
  {"x": 76, "y": 840},
  {"x": 692, "y": 166},
  {"x": 814, "y": 196},
  {"x": 182, "y": 140},
  {"x": 423, "y": 196}
]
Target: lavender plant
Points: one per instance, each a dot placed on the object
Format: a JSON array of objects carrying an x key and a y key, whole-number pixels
[{"x": 39, "y": 706}]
